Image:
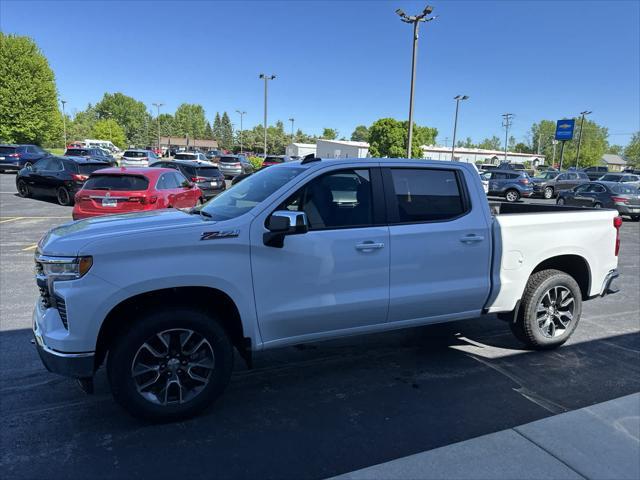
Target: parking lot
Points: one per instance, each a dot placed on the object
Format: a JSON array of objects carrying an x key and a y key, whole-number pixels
[{"x": 310, "y": 411}]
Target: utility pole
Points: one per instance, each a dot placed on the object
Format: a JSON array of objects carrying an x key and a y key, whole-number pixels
[
  {"x": 242, "y": 114},
  {"x": 108, "y": 115},
  {"x": 158, "y": 105},
  {"x": 64, "y": 122},
  {"x": 266, "y": 79},
  {"x": 457, "y": 98},
  {"x": 292, "y": 120},
  {"x": 585, "y": 113},
  {"x": 415, "y": 20},
  {"x": 506, "y": 123}
]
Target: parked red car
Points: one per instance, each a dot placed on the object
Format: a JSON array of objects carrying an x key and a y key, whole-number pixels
[{"x": 127, "y": 190}]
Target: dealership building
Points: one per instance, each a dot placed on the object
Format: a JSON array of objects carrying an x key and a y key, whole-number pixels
[
  {"x": 300, "y": 149},
  {"x": 341, "y": 149},
  {"x": 479, "y": 155}
]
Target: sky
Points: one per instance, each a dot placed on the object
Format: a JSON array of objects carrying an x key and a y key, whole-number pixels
[{"x": 344, "y": 63}]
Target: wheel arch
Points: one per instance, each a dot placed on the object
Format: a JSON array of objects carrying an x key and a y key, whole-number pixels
[
  {"x": 208, "y": 299},
  {"x": 574, "y": 265}
]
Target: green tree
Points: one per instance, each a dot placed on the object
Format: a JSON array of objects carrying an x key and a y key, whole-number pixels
[
  {"x": 190, "y": 120},
  {"x": 28, "y": 96},
  {"x": 217, "y": 128},
  {"x": 226, "y": 132},
  {"x": 466, "y": 143},
  {"x": 632, "y": 151},
  {"x": 522, "y": 148},
  {"x": 109, "y": 130},
  {"x": 167, "y": 127},
  {"x": 615, "y": 149},
  {"x": 388, "y": 138},
  {"x": 208, "y": 132},
  {"x": 492, "y": 143},
  {"x": 329, "y": 134},
  {"x": 360, "y": 134},
  {"x": 82, "y": 123},
  {"x": 129, "y": 113}
]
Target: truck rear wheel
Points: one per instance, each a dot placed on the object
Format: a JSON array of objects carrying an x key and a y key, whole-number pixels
[
  {"x": 170, "y": 364},
  {"x": 549, "y": 310}
]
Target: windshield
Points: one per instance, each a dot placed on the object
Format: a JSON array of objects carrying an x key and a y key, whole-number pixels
[
  {"x": 242, "y": 197},
  {"x": 134, "y": 154},
  {"x": 184, "y": 156},
  {"x": 208, "y": 172},
  {"x": 76, "y": 152},
  {"x": 625, "y": 189},
  {"x": 274, "y": 159}
]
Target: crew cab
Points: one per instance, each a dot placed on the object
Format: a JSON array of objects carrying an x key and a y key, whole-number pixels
[{"x": 361, "y": 246}]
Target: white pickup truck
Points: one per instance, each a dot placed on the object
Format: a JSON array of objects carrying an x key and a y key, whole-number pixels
[{"x": 306, "y": 251}]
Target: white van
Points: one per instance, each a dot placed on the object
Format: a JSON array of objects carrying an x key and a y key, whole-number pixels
[{"x": 106, "y": 144}]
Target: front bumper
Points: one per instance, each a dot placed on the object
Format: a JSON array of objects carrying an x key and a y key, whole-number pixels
[
  {"x": 628, "y": 209},
  {"x": 75, "y": 365}
]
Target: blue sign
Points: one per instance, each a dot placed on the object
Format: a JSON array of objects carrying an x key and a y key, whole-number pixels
[{"x": 564, "y": 129}]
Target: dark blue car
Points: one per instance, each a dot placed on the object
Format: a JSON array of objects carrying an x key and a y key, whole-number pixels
[{"x": 16, "y": 157}]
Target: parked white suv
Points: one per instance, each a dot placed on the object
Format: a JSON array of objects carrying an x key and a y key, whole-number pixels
[{"x": 358, "y": 246}]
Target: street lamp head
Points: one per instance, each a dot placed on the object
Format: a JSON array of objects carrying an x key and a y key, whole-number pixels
[
  {"x": 400, "y": 12},
  {"x": 465, "y": 97},
  {"x": 586, "y": 112},
  {"x": 427, "y": 10},
  {"x": 261, "y": 75},
  {"x": 461, "y": 97}
]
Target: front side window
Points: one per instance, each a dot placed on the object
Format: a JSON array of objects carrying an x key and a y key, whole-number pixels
[
  {"x": 582, "y": 188},
  {"x": 425, "y": 195},
  {"x": 341, "y": 199}
]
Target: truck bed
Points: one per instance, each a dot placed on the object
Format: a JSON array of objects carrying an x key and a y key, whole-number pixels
[{"x": 504, "y": 208}]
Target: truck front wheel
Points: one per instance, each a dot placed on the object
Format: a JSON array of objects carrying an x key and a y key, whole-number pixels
[
  {"x": 170, "y": 364},
  {"x": 550, "y": 310}
]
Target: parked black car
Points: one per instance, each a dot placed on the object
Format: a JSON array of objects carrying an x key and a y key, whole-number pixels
[
  {"x": 623, "y": 197},
  {"x": 595, "y": 172},
  {"x": 92, "y": 154},
  {"x": 207, "y": 177},
  {"x": 212, "y": 154},
  {"x": 16, "y": 157},
  {"x": 59, "y": 177}
]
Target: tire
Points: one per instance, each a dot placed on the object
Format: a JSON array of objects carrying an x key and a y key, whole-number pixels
[
  {"x": 512, "y": 195},
  {"x": 548, "y": 193},
  {"x": 543, "y": 322},
  {"x": 23, "y": 189},
  {"x": 64, "y": 197},
  {"x": 172, "y": 323},
  {"x": 560, "y": 201}
]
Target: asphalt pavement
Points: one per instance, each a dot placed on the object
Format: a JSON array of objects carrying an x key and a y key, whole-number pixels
[{"x": 310, "y": 411}]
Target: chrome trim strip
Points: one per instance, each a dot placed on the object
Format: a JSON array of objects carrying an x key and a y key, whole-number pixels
[{"x": 66, "y": 355}]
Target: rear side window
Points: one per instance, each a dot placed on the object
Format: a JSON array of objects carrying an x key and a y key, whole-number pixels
[
  {"x": 424, "y": 195},
  {"x": 116, "y": 183},
  {"x": 7, "y": 150},
  {"x": 625, "y": 189},
  {"x": 167, "y": 181}
]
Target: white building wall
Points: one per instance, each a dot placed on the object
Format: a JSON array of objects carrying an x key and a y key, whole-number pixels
[
  {"x": 341, "y": 149},
  {"x": 300, "y": 149},
  {"x": 474, "y": 155}
]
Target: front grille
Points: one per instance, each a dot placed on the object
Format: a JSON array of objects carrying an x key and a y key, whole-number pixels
[{"x": 62, "y": 310}]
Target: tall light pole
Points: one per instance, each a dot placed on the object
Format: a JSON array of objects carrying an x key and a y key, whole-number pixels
[
  {"x": 292, "y": 120},
  {"x": 457, "y": 98},
  {"x": 158, "y": 105},
  {"x": 415, "y": 20},
  {"x": 108, "y": 115},
  {"x": 64, "y": 122},
  {"x": 506, "y": 123},
  {"x": 242, "y": 113},
  {"x": 585, "y": 113},
  {"x": 266, "y": 79}
]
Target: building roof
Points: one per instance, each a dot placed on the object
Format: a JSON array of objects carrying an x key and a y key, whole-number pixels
[
  {"x": 476, "y": 151},
  {"x": 612, "y": 159},
  {"x": 303, "y": 145},
  {"x": 346, "y": 143}
]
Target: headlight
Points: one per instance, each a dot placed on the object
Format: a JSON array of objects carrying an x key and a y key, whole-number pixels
[{"x": 63, "y": 268}]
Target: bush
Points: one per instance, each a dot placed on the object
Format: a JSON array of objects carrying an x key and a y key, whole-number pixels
[{"x": 256, "y": 162}]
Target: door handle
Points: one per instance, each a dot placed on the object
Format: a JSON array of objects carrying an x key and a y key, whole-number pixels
[
  {"x": 369, "y": 245},
  {"x": 471, "y": 238}
]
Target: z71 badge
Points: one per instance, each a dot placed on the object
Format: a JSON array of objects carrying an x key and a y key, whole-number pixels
[{"x": 220, "y": 234}]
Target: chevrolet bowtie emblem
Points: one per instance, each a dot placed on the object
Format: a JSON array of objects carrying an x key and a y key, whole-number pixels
[{"x": 564, "y": 125}]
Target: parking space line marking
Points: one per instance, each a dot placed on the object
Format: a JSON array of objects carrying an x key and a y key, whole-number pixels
[
  {"x": 10, "y": 219},
  {"x": 30, "y": 247}
]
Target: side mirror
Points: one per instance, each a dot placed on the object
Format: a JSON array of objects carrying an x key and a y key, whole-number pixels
[
  {"x": 282, "y": 223},
  {"x": 188, "y": 185}
]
